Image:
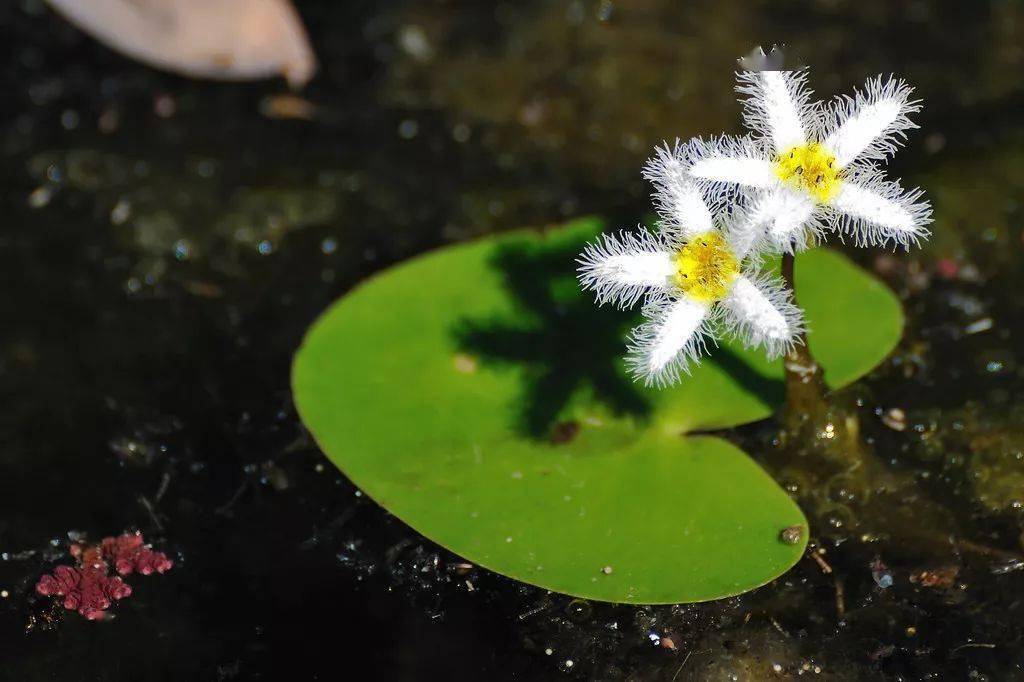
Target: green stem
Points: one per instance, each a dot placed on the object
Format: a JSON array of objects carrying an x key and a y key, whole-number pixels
[{"x": 805, "y": 379}]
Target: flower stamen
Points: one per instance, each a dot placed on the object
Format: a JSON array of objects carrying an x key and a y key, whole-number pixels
[
  {"x": 811, "y": 167},
  {"x": 705, "y": 267}
]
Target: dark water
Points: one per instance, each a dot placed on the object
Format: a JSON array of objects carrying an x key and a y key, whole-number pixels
[{"x": 165, "y": 243}]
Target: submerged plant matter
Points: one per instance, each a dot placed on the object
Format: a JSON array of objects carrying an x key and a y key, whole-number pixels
[
  {"x": 86, "y": 589},
  {"x": 89, "y": 588},
  {"x": 125, "y": 553}
]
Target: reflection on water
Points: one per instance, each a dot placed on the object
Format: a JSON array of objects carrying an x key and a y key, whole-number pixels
[{"x": 166, "y": 244}]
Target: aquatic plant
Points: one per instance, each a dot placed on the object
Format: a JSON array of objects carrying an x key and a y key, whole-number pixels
[
  {"x": 89, "y": 588},
  {"x": 807, "y": 170},
  {"x": 126, "y": 554},
  {"x": 525, "y": 447},
  {"x": 699, "y": 278},
  {"x": 605, "y": 472},
  {"x": 811, "y": 168}
]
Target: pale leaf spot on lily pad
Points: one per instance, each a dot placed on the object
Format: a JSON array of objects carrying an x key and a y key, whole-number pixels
[
  {"x": 464, "y": 363},
  {"x": 681, "y": 519}
]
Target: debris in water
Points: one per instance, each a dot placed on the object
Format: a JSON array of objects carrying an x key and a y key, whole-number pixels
[
  {"x": 223, "y": 39},
  {"x": 40, "y": 197},
  {"x": 978, "y": 326},
  {"x": 944, "y": 576},
  {"x": 947, "y": 268},
  {"x": 791, "y": 535},
  {"x": 1008, "y": 567},
  {"x": 820, "y": 560},
  {"x": 563, "y": 432},
  {"x": 287, "y": 107},
  {"x": 881, "y": 574},
  {"x": 274, "y": 476},
  {"x": 895, "y": 419}
]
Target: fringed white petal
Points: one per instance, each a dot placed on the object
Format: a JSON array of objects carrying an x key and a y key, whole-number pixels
[
  {"x": 745, "y": 235},
  {"x": 877, "y": 212},
  {"x": 872, "y": 124},
  {"x": 622, "y": 268},
  {"x": 674, "y": 335},
  {"x": 746, "y": 171},
  {"x": 760, "y": 311},
  {"x": 721, "y": 165},
  {"x": 790, "y": 220},
  {"x": 677, "y": 197},
  {"x": 777, "y": 105}
]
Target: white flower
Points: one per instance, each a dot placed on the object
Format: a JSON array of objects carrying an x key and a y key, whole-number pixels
[
  {"x": 811, "y": 167},
  {"x": 696, "y": 281}
]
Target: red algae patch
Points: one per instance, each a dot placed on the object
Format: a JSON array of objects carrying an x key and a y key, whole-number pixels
[{"x": 90, "y": 588}]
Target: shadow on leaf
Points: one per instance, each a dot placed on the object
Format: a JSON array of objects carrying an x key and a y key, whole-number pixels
[{"x": 563, "y": 342}]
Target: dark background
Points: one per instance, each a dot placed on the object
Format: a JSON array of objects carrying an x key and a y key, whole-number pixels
[{"x": 164, "y": 243}]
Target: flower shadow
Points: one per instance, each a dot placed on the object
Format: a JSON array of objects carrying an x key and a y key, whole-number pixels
[
  {"x": 563, "y": 343},
  {"x": 560, "y": 339}
]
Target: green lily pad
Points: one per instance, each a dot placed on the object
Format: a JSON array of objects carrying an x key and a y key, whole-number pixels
[{"x": 476, "y": 394}]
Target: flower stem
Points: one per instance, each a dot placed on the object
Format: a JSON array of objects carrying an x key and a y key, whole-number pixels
[
  {"x": 814, "y": 421},
  {"x": 805, "y": 379}
]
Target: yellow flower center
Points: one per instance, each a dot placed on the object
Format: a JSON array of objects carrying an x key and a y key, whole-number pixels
[
  {"x": 812, "y": 168},
  {"x": 706, "y": 267}
]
